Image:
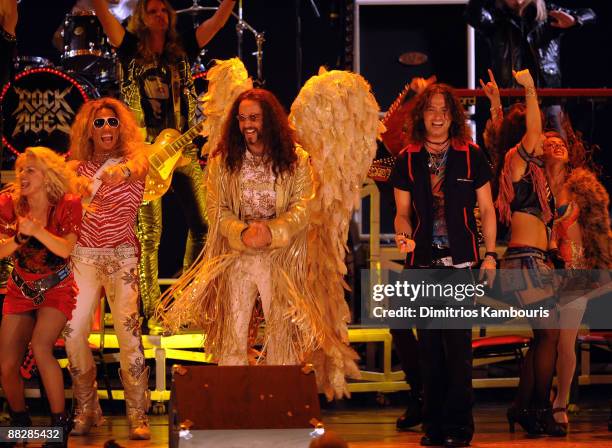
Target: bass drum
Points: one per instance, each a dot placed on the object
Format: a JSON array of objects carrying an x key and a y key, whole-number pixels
[{"x": 39, "y": 106}]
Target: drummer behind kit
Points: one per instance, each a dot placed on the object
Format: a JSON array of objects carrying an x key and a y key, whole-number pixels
[
  {"x": 39, "y": 105},
  {"x": 85, "y": 48}
]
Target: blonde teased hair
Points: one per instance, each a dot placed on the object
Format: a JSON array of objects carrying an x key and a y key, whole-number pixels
[
  {"x": 131, "y": 140},
  {"x": 59, "y": 179},
  {"x": 173, "y": 50}
]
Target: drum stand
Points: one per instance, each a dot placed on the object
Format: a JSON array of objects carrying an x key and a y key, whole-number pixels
[
  {"x": 241, "y": 26},
  {"x": 259, "y": 40}
]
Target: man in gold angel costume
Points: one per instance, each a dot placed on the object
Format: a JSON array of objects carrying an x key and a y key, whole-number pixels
[{"x": 272, "y": 234}]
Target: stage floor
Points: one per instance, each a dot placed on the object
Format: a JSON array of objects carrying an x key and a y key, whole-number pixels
[{"x": 371, "y": 426}]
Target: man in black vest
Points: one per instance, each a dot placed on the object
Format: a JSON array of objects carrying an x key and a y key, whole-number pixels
[{"x": 438, "y": 179}]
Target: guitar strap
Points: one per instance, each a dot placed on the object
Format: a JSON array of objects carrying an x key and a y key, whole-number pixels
[{"x": 97, "y": 182}]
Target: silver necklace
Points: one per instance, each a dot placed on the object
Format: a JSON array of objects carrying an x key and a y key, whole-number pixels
[{"x": 437, "y": 153}]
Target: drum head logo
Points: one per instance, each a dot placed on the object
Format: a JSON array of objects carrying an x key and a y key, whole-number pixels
[
  {"x": 39, "y": 108},
  {"x": 42, "y": 110}
]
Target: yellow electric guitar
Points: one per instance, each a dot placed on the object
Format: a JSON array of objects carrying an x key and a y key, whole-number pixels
[{"x": 166, "y": 154}]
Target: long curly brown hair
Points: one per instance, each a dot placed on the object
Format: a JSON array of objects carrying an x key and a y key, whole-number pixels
[
  {"x": 81, "y": 133},
  {"x": 458, "y": 131},
  {"x": 173, "y": 49},
  {"x": 277, "y": 136},
  {"x": 589, "y": 194},
  {"x": 593, "y": 202}
]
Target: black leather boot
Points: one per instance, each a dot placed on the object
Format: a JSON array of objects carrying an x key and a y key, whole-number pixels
[
  {"x": 527, "y": 418},
  {"x": 63, "y": 421},
  {"x": 413, "y": 415}
]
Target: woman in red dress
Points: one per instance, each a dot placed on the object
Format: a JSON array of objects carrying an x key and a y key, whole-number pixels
[{"x": 39, "y": 224}]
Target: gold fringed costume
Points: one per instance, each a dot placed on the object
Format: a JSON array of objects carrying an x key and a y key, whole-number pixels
[
  {"x": 336, "y": 119},
  {"x": 200, "y": 298}
]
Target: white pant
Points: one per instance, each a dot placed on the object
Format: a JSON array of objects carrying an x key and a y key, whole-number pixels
[
  {"x": 116, "y": 273},
  {"x": 250, "y": 275}
]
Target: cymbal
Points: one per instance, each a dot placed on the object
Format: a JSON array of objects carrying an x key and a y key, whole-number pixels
[
  {"x": 196, "y": 10},
  {"x": 413, "y": 58}
]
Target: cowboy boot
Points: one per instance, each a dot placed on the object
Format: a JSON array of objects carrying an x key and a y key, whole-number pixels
[
  {"x": 137, "y": 403},
  {"x": 87, "y": 412}
]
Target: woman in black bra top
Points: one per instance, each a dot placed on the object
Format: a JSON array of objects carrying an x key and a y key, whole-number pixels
[{"x": 526, "y": 204}]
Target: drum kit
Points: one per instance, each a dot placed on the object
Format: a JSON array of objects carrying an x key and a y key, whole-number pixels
[{"x": 39, "y": 105}]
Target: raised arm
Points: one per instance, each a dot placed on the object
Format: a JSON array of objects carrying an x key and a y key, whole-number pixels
[
  {"x": 492, "y": 92},
  {"x": 207, "y": 30},
  {"x": 112, "y": 27},
  {"x": 533, "y": 119},
  {"x": 8, "y": 15}
]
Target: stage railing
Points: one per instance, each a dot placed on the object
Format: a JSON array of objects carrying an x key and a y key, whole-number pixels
[{"x": 542, "y": 93}]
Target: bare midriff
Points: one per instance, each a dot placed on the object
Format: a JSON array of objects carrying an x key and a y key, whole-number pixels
[{"x": 528, "y": 230}]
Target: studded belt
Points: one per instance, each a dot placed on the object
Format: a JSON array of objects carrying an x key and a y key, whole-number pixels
[{"x": 36, "y": 289}]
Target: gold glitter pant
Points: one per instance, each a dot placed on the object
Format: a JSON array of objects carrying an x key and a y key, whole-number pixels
[{"x": 188, "y": 183}]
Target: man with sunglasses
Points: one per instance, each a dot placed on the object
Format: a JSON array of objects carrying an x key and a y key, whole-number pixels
[
  {"x": 109, "y": 149},
  {"x": 159, "y": 90}
]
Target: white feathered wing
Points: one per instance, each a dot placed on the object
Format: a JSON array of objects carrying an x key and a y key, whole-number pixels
[{"x": 335, "y": 117}]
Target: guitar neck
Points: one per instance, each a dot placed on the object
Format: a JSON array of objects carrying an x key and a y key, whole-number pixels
[{"x": 183, "y": 140}]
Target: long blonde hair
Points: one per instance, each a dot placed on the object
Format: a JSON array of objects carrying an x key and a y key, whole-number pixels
[
  {"x": 131, "y": 140},
  {"x": 540, "y": 6},
  {"x": 173, "y": 50},
  {"x": 59, "y": 179}
]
